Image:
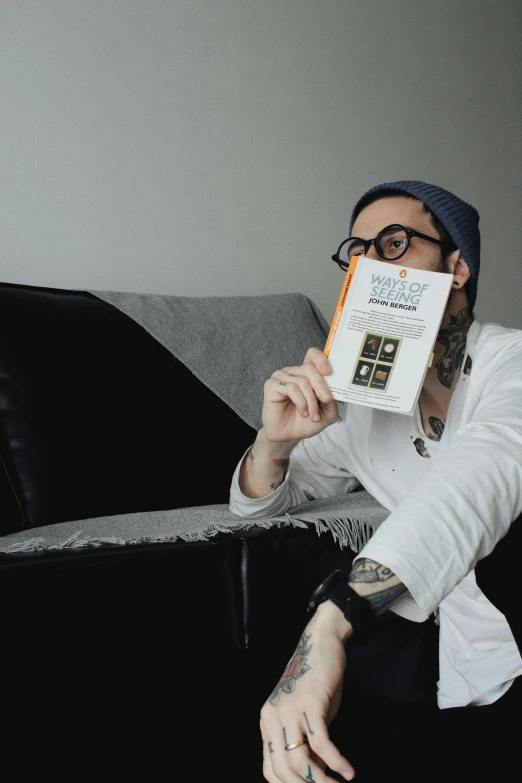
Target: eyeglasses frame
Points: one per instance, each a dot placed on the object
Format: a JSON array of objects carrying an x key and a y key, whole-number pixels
[{"x": 367, "y": 243}]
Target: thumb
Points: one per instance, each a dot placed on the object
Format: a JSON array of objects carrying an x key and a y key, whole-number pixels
[{"x": 330, "y": 410}]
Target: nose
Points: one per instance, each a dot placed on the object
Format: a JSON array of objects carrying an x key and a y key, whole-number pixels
[{"x": 371, "y": 252}]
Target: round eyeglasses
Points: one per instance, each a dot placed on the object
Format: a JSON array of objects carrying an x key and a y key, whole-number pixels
[{"x": 391, "y": 243}]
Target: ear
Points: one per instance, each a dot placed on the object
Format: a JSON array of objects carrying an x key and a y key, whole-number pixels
[{"x": 459, "y": 269}]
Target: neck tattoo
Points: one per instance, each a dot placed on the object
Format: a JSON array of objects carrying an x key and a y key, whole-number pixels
[{"x": 453, "y": 338}]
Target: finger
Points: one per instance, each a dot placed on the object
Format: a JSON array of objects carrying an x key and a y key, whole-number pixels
[
  {"x": 323, "y": 747},
  {"x": 310, "y": 370},
  {"x": 301, "y": 394},
  {"x": 290, "y": 766},
  {"x": 309, "y": 381},
  {"x": 318, "y": 359},
  {"x": 307, "y": 393},
  {"x": 315, "y": 373},
  {"x": 302, "y": 763},
  {"x": 309, "y": 769},
  {"x": 275, "y": 763},
  {"x": 329, "y": 411},
  {"x": 268, "y": 750}
]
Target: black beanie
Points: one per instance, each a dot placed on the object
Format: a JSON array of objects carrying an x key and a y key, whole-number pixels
[{"x": 459, "y": 218}]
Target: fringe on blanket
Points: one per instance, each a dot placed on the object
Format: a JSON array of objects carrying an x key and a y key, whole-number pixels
[{"x": 352, "y": 533}]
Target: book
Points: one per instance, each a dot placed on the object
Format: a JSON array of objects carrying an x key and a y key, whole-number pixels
[{"x": 383, "y": 333}]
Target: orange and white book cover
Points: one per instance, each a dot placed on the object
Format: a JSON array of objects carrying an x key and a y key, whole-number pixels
[{"x": 383, "y": 333}]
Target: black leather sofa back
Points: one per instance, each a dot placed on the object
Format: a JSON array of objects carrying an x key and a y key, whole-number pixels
[{"x": 98, "y": 418}]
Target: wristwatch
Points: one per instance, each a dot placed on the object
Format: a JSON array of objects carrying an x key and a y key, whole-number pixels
[{"x": 356, "y": 609}]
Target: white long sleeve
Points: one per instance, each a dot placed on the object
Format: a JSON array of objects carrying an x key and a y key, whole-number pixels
[
  {"x": 457, "y": 511},
  {"x": 317, "y": 470},
  {"x": 450, "y": 502}
]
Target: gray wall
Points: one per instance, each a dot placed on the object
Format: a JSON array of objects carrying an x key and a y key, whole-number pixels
[{"x": 197, "y": 147}]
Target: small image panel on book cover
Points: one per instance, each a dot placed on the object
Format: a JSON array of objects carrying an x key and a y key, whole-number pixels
[
  {"x": 370, "y": 345},
  {"x": 363, "y": 373},
  {"x": 380, "y": 377},
  {"x": 389, "y": 349}
]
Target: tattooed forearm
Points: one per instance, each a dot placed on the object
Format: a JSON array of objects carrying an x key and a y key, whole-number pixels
[
  {"x": 280, "y": 463},
  {"x": 296, "y": 667},
  {"x": 381, "y": 601},
  {"x": 385, "y": 587},
  {"x": 366, "y": 570},
  {"x": 264, "y": 467}
]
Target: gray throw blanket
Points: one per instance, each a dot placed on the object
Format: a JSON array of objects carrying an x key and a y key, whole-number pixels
[{"x": 232, "y": 344}]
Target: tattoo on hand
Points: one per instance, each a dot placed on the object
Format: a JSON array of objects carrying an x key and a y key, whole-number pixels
[
  {"x": 270, "y": 747},
  {"x": 308, "y": 724},
  {"x": 296, "y": 667},
  {"x": 309, "y": 775}
]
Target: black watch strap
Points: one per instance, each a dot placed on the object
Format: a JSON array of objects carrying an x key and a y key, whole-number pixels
[{"x": 356, "y": 609}]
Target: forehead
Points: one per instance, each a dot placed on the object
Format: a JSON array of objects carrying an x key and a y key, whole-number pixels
[{"x": 386, "y": 211}]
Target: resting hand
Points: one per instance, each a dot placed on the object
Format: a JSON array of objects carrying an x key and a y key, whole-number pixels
[
  {"x": 297, "y": 401},
  {"x": 303, "y": 704}
]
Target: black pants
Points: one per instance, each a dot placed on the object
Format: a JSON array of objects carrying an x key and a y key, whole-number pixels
[{"x": 390, "y": 728}]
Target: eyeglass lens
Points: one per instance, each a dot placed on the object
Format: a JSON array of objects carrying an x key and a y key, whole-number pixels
[{"x": 390, "y": 244}]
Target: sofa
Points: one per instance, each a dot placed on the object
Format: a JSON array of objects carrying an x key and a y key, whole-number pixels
[
  {"x": 155, "y": 653},
  {"x": 152, "y": 656}
]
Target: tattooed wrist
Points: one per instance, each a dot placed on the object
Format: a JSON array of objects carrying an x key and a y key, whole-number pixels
[
  {"x": 283, "y": 464},
  {"x": 296, "y": 668}
]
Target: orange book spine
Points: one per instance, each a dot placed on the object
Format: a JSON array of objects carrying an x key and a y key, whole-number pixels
[{"x": 340, "y": 304}]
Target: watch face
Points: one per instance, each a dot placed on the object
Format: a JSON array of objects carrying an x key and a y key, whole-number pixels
[{"x": 320, "y": 593}]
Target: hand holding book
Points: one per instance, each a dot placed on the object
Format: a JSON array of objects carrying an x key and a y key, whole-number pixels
[
  {"x": 383, "y": 332},
  {"x": 297, "y": 401}
]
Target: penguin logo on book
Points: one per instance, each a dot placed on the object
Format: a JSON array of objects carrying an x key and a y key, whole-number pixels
[{"x": 403, "y": 273}]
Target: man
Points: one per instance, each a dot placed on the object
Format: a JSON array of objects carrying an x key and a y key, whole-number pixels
[{"x": 451, "y": 477}]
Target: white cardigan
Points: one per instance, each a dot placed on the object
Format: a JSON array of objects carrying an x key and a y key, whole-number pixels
[{"x": 447, "y": 510}]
